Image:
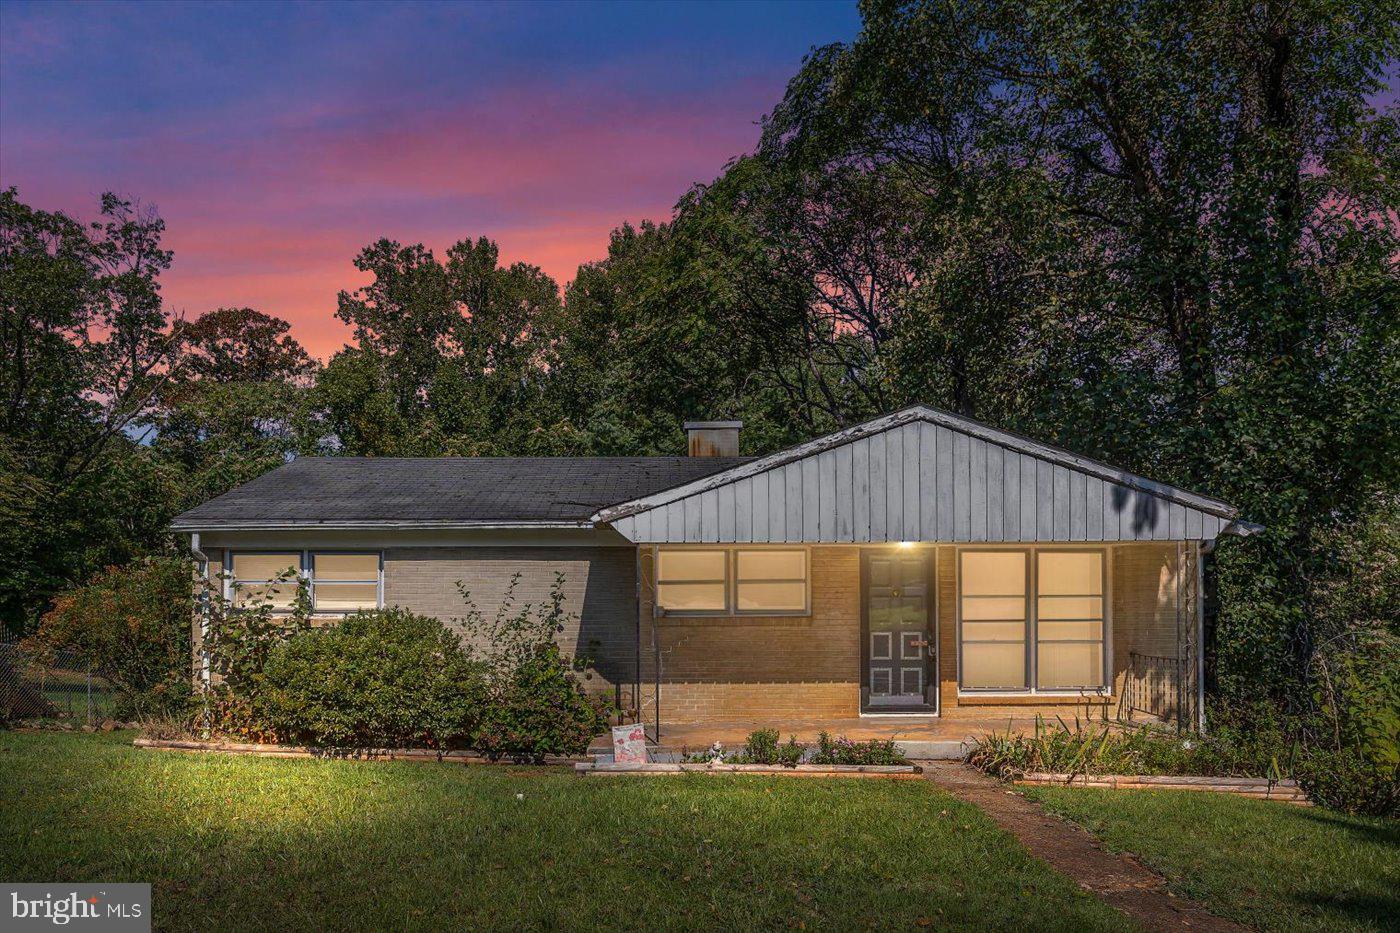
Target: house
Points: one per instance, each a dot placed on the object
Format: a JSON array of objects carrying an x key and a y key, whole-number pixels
[{"x": 919, "y": 566}]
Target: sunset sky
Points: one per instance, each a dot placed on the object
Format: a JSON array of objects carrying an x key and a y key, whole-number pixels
[{"x": 276, "y": 141}]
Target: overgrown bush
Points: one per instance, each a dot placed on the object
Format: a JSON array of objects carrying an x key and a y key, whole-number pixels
[
  {"x": 843, "y": 751},
  {"x": 385, "y": 677},
  {"x": 534, "y": 704},
  {"x": 1351, "y": 782},
  {"x": 1102, "y": 748},
  {"x": 239, "y": 641},
  {"x": 131, "y": 625}
]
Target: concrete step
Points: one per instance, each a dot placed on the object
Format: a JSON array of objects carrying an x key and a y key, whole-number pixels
[{"x": 933, "y": 750}]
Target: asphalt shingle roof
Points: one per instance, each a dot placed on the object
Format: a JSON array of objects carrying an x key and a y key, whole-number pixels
[{"x": 351, "y": 490}]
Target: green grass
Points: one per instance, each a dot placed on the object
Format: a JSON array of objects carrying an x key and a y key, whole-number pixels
[
  {"x": 232, "y": 842},
  {"x": 1267, "y": 864}
]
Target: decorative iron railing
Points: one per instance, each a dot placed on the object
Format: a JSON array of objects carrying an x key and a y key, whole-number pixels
[{"x": 1155, "y": 687}]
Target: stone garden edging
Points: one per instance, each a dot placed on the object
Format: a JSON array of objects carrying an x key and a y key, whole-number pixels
[
  {"x": 657, "y": 769},
  {"x": 259, "y": 750},
  {"x": 1286, "y": 791}
]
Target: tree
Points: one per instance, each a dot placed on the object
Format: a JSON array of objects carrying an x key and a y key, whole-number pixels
[
  {"x": 234, "y": 406},
  {"x": 1210, "y": 272},
  {"x": 451, "y": 356},
  {"x": 86, "y": 348}
]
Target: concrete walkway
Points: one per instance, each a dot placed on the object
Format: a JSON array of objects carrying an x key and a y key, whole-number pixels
[{"x": 1116, "y": 879}]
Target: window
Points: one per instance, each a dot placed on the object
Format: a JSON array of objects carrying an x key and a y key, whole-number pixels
[
  {"x": 770, "y": 581},
  {"x": 339, "y": 581},
  {"x": 993, "y": 594},
  {"x": 1065, "y": 620},
  {"x": 691, "y": 581},
  {"x": 344, "y": 582},
  {"x": 266, "y": 578},
  {"x": 1069, "y": 619},
  {"x": 738, "y": 581}
]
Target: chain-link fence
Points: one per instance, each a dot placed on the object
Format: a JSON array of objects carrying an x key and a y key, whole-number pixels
[{"x": 51, "y": 685}]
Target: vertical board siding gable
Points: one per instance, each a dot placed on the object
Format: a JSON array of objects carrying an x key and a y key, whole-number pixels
[{"x": 920, "y": 482}]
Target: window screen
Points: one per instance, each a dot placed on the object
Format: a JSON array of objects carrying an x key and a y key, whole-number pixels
[
  {"x": 344, "y": 582},
  {"x": 993, "y": 620}
]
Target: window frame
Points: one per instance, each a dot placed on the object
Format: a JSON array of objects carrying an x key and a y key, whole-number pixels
[
  {"x": 1027, "y": 639},
  {"x": 1033, "y": 621},
  {"x": 731, "y": 583},
  {"x": 231, "y": 579},
  {"x": 305, "y": 574},
  {"x": 1105, "y": 661},
  {"x": 310, "y": 565}
]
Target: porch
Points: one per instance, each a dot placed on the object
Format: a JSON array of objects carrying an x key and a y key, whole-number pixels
[{"x": 881, "y": 640}]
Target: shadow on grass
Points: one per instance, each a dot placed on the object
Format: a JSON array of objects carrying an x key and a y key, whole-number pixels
[
  {"x": 244, "y": 842},
  {"x": 1371, "y": 830},
  {"x": 1366, "y": 910}
]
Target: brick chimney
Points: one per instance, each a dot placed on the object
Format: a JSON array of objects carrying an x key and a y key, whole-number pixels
[{"x": 713, "y": 438}]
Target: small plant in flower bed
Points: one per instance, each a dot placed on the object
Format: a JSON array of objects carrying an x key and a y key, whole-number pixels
[
  {"x": 1102, "y": 748},
  {"x": 762, "y": 748},
  {"x": 843, "y": 751}
]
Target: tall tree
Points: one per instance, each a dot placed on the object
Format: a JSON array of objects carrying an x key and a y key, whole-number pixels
[
  {"x": 450, "y": 357},
  {"x": 84, "y": 349},
  {"x": 234, "y": 406}
]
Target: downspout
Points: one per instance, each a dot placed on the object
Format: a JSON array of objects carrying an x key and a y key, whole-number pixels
[
  {"x": 1202, "y": 551},
  {"x": 203, "y": 559},
  {"x": 637, "y": 619}
]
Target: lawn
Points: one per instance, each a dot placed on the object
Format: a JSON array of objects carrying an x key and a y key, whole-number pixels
[
  {"x": 233, "y": 842},
  {"x": 1269, "y": 865}
]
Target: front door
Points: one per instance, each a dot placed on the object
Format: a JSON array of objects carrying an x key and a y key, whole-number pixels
[{"x": 898, "y": 650}]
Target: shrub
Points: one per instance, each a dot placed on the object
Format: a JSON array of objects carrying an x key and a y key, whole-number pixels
[
  {"x": 1086, "y": 748},
  {"x": 843, "y": 751},
  {"x": 385, "y": 677},
  {"x": 131, "y": 626},
  {"x": 762, "y": 748},
  {"x": 240, "y": 641},
  {"x": 535, "y": 704},
  {"x": 1351, "y": 782}
]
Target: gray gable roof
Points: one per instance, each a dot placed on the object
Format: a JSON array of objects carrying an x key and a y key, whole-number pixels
[{"x": 443, "y": 491}]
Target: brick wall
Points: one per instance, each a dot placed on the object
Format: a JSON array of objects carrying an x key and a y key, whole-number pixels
[
  {"x": 738, "y": 668},
  {"x": 599, "y": 590},
  {"x": 727, "y": 668}
]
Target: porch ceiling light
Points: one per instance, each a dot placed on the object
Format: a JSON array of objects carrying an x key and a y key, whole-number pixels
[{"x": 906, "y": 545}]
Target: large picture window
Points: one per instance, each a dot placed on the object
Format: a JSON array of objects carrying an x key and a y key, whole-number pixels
[
  {"x": 993, "y": 620},
  {"x": 1063, "y": 620},
  {"x": 731, "y": 581}
]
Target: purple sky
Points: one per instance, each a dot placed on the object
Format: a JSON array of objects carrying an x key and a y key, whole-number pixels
[{"x": 278, "y": 140}]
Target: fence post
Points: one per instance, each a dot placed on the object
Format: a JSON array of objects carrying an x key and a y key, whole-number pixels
[{"x": 89, "y": 696}]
